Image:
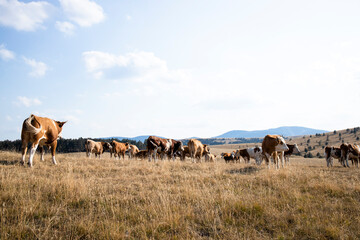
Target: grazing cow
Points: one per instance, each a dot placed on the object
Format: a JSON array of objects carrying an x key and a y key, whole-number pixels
[
  {"x": 210, "y": 157},
  {"x": 132, "y": 151},
  {"x": 96, "y": 147},
  {"x": 246, "y": 154},
  {"x": 142, "y": 154},
  {"x": 166, "y": 146},
  {"x": 271, "y": 145},
  {"x": 330, "y": 153},
  {"x": 229, "y": 157},
  {"x": 39, "y": 131},
  {"x": 197, "y": 149},
  {"x": 119, "y": 149},
  {"x": 293, "y": 149}
]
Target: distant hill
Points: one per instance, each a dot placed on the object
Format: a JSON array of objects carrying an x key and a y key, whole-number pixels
[
  {"x": 285, "y": 131},
  {"x": 138, "y": 138}
]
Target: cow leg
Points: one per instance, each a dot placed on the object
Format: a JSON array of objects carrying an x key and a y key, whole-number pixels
[
  {"x": 53, "y": 150},
  {"x": 42, "y": 152},
  {"x": 347, "y": 160},
  {"x": 24, "y": 147},
  {"x": 282, "y": 159},
  {"x": 32, "y": 153},
  {"x": 268, "y": 160}
]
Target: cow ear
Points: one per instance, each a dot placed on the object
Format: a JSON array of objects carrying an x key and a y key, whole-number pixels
[{"x": 61, "y": 123}]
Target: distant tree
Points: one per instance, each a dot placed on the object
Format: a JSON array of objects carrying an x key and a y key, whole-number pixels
[
  {"x": 357, "y": 138},
  {"x": 324, "y": 134},
  {"x": 334, "y": 132},
  {"x": 319, "y": 155},
  {"x": 308, "y": 141}
]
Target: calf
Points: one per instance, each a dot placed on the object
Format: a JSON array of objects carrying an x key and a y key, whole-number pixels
[
  {"x": 40, "y": 131},
  {"x": 271, "y": 145},
  {"x": 132, "y": 151},
  {"x": 96, "y": 147},
  {"x": 345, "y": 151},
  {"x": 119, "y": 149},
  {"x": 209, "y": 157},
  {"x": 142, "y": 154},
  {"x": 197, "y": 149},
  {"x": 228, "y": 157}
]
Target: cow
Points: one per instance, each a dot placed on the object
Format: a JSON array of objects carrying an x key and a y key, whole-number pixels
[
  {"x": 345, "y": 151},
  {"x": 142, "y": 154},
  {"x": 185, "y": 153},
  {"x": 271, "y": 145},
  {"x": 40, "y": 131},
  {"x": 229, "y": 157},
  {"x": 197, "y": 149},
  {"x": 210, "y": 157},
  {"x": 166, "y": 146},
  {"x": 246, "y": 154},
  {"x": 330, "y": 153},
  {"x": 96, "y": 147},
  {"x": 293, "y": 149},
  {"x": 132, "y": 151},
  {"x": 119, "y": 149},
  {"x": 354, "y": 154}
]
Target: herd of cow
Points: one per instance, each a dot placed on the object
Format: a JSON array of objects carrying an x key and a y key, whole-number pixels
[{"x": 40, "y": 131}]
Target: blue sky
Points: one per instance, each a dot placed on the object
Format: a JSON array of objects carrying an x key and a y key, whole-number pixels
[{"x": 179, "y": 68}]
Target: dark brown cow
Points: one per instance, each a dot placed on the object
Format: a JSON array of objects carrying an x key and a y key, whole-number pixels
[
  {"x": 293, "y": 149},
  {"x": 345, "y": 151},
  {"x": 166, "y": 146},
  {"x": 228, "y": 157},
  {"x": 271, "y": 145},
  {"x": 142, "y": 154},
  {"x": 119, "y": 149},
  {"x": 244, "y": 154},
  {"x": 185, "y": 153},
  {"x": 39, "y": 131},
  {"x": 330, "y": 153}
]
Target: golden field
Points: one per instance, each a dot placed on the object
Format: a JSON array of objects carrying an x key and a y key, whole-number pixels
[{"x": 84, "y": 198}]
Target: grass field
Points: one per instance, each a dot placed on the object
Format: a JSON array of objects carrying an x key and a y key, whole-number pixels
[{"x": 84, "y": 198}]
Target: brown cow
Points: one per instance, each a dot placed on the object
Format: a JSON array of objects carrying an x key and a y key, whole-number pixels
[
  {"x": 165, "y": 146},
  {"x": 229, "y": 157},
  {"x": 354, "y": 155},
  {"x": 39, "y": 131},
  {"x": 271, "y": 145},
  {"x": 96, "y": 147},
  {"x": 345, "y": 151},
  {"x": 119, "y": 149},
  {"x": 142, "y": 154},
  {"x": 197, "y": 149},
  {"x": 330, "y": 153},
  {"x": 185, "y": 153}
]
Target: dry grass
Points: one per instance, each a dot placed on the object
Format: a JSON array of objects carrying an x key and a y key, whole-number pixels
[{"x": 112, "y": 199}]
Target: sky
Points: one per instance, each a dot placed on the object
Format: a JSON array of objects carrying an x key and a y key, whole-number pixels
[{"x": 179, "y": 69}]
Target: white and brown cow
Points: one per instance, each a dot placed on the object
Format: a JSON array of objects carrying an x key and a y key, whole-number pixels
[
  {"x": 167, "y": 147},
  {"x": 293, "y": 149},
  {"x": 271, "y": 145},
  {"x": 132, "y": 151},
  {"x": 209, "y": 157},
  {"x": 229, "y": 157},
  {"x": 330, "y": 153},
  {"x": 97, "y": 148},
  {"x": 119, "y": 149},
  {"x": 197, "y": 149},
  {"x": 247, "y": 153},
  {"x": 349, "y": 151},
  {"x": 40, "y": 131},
  {"x": 354, "y": 154}
]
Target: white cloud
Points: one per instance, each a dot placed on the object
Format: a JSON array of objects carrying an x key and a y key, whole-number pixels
[
  {"x": 39, "y": 68},
  {"x": 23, "y": 16},
  {"x": 27, "y": 102},
  {"x": 83, "y": 12},
  {"x": 6, "y": 54},
  {"x": 65, "y": 27}
]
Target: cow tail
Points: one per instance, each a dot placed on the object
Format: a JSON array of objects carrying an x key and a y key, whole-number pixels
[{"x": 30, "y": 128}]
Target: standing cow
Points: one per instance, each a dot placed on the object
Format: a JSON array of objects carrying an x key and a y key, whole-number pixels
[
  {"x": 330, "y": 153},
  {"x": 247, "y": 153},
  {"x": 40, "y": 131},
  {"x": 97, "y": 148},
  {"x": 132, "y": 151},
  {"x": 271, "y": 145},
  {"x": 119, "y": 149},
  {"x": 197, "y": 149},
  {"x": 293, "y": 149},
  {"x": 165, "y": 146}
]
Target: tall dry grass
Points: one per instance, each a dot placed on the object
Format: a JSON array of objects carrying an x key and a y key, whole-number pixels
[{"x": 110, "y": 199}]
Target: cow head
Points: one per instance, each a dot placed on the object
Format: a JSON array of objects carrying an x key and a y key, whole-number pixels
[
  {"x": 281, "y": 145},
  {"x": 127, "y": 145},
  {"x": 60, "y": 125},
  {"x": 106, "y": 146},
  {"x": 178, "y": 146}
]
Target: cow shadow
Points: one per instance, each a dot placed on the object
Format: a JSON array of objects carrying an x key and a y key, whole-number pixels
[
  {"x": 8, "y": 162},
  {"x": 244, "y": 171}
]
